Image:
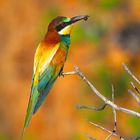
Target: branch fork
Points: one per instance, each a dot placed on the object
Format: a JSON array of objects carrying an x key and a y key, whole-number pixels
[{"x": 108, "y": 102}]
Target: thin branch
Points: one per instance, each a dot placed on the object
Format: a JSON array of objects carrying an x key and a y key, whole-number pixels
[
  {"x": 89, "y": 137},
  {"x": 131, "y": 74},
  {"x": 104, "y": 129},
  {"x": 92, "y": 108},
  {"x": 109, "y": 136},
  {"x": 134, "y": 96},
  {"x": 115, "y": 120},
  {"x": 114, "y": 112},
  {"x": 133, "y": 85},
  {"x": 108, "y": 102},
  {"x": 70, "y": 73}
]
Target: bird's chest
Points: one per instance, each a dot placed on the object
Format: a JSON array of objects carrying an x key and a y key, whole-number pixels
[{"x": 60, "y": 57}]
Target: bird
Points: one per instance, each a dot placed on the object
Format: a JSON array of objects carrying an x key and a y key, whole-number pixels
[{"x": 49, "y": 60}]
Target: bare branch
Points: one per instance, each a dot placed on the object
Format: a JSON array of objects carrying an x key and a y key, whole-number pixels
[
  {"x": 89, "y": 137},
  {"x": 92, "y": 108},
  {"x": 134, "y": 96},
  {"x": 104, "y": 129},
  {"x": 114, "y": 112},
  {"x": 109, "y": 136},
  {"x": 115, "y": 120},
  {"x": 108, "y": 102},
  {"x": 70, "y": 73},
  {"x": 131, "y": 74},
  {"x": 133, "y": 85}
]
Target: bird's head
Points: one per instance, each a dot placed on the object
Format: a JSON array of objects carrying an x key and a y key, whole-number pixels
[{"x": 63, "y": 25}]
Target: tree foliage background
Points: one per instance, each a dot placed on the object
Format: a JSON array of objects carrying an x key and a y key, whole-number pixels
[{"x": 99, "y": 47}]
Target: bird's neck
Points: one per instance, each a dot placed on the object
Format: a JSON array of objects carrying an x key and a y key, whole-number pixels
[
  {"x": 65, "y": 39},
  {"x": 52, "y": 37}
]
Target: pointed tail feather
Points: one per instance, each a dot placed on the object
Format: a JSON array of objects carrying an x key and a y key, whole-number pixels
[{"x": 32, "y": 102}]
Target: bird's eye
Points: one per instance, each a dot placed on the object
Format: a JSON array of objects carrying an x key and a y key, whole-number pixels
[{"x": 63, "y": 24}]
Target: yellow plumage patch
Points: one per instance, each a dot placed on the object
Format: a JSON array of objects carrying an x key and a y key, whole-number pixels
[
  {"x": 43, "y": 56},
  {"x": 66, "y": 30}
]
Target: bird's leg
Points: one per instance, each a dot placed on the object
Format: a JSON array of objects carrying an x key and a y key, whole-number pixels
[{"x": 61, "y": 72}]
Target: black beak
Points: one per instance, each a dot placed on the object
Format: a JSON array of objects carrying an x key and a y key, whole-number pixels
[{"x": 77, "y": 18}]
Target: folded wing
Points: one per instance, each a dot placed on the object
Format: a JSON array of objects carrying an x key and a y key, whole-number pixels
[{"x": 42, "y": 79}]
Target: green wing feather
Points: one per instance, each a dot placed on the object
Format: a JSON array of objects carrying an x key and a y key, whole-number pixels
[
  {"x": 46, "y": 82},
  {"x": 45, "y": 77}
]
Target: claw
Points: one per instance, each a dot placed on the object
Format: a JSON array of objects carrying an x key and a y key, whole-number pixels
[{"x": 61, "y": 74}]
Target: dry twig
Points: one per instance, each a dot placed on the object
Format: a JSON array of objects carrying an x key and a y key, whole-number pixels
[
  {"x": 133, "y": 85},
  {"x": 89, "y": 137},
  {"x": 91, "y": 107},
  {"x": 113, "y": 132},
  {"x": 134, "y": 96},
  {"x": 103, "y": 98},
  {"x": 108, "y": 102},
  {"x": 131, "y": 74}
]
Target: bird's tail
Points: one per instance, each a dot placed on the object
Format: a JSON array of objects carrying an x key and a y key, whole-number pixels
[{"x": 30, "y": 109}]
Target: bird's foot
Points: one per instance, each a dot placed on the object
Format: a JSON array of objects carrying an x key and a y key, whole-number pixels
[{"x": 61, "y": 74}]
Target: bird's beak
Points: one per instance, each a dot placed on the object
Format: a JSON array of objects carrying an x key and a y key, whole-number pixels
[{"x": 77, "y": 18}]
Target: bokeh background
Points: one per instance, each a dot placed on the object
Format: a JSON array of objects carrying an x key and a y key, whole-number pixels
[{"x": 99, "y": 46}]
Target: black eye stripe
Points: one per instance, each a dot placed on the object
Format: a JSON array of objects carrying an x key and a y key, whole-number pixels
[{"x": 62, "y": 25}]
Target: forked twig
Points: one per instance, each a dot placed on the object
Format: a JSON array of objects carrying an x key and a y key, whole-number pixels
[
  {"x": 108, "y": 102},
  {"x": 105, "y": 129},
  {"x": 103, "y": 98}
]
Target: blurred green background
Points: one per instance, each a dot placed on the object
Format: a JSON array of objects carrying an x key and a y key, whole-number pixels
[{"x": 99, "y": 46}]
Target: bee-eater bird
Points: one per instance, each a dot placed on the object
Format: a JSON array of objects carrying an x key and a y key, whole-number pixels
[{"x": 49, "y": 60}]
